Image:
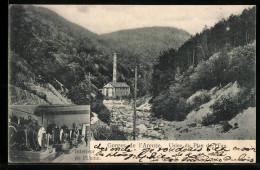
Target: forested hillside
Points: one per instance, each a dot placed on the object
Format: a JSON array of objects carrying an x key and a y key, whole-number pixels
[
  {"x": 142, "y": 46},
  {"x": 215, "y": 67},
  {"x": 145, "y": 43},
  {"x": 48, "y": 52},
  {"x": 50, "y": 56},
  {"x": 51, "y": 45}
]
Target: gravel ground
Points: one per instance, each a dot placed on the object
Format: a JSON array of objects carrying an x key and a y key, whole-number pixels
[{"x": 150, "y": 128}]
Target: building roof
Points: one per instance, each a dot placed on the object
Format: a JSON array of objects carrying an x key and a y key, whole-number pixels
[{"x": 117, "y": 84}]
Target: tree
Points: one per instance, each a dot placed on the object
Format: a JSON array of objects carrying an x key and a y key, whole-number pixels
[{"x": 243, "y": 65}]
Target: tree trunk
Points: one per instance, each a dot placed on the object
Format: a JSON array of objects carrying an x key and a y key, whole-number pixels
[
  {"x": 202, "y": 51},
  {"x": 193, "y": 57}
]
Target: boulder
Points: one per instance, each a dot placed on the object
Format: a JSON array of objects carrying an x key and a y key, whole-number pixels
[
  {"x": 140, "y": 136},
  {"x": 129, "y": 130},
  {"x": 156, "y": 127},
  {"x": 184, "y": 130},
  {"x": 154, "y": 122},
  {"x": 142, "y": 128},
  {"x": 129, "y": 125},
  {"x": 94, "y": 120},
  {"x": 154, "y": 134}
]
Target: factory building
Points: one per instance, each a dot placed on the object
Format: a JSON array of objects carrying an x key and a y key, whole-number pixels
[{"x": 115, "y": 89}]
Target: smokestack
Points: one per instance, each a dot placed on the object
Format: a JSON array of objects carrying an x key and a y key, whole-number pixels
[{"x": 114, "y": 69}]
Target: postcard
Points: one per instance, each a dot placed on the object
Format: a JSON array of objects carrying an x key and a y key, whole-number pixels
[{"x": 132, "y": 84}]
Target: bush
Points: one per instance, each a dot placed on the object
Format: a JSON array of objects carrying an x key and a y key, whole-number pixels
[
  {"x": 102, "y": 111},
  {"x": 228, "y": 106},
  {"x": 116, "y": 134},
  {"x": 210, "y": 73},
  {"x": 170, "y": 105},
  {"x": 108, "y": 133},
  {"x": 242, "y": 67},
  {"x": 198, "y": 98},
  {"x": 226, "y": 126},
  {"x": 101, "y": 133},
  {"x": 20, "y": 71}
]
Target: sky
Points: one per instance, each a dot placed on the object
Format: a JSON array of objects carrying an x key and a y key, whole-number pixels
[{"x": 109, "y": 18}]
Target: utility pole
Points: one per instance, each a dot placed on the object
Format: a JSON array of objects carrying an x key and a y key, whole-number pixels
[
  {"x": 113, "y": 104},
  {"x": 134, "y": 126},
  {"x": 87, "y": 134},
  {"x": 89, "y": 81}
]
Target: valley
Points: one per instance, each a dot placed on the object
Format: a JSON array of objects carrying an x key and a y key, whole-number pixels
[{"x": 199, "y": 86}]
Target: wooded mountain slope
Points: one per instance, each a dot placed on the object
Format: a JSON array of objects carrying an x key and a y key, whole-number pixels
[
  {"x": 141, "y": 47},
  {"x": 145, "y": 43},
  {"x": 47, "y": 49},
  {"x": 225, "y": 54},
  {"x": 56, "y": 49}
]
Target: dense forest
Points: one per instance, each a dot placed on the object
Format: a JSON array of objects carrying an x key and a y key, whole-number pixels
[
  {"x": 142, "y": 46},
  {"x": 222, "y": 54},
  {"x": 46, "y": 48}
]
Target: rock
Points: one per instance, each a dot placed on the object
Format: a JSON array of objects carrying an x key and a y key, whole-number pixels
[
  {"x": 149, "y": 125},
  {"x": 178, "y": 128},
  {"x": 139, "y": 113},
  {"x": 192, "y": 125},
  {"x": 161, "y": 137},
  {"x": 154, "y": 122},
  {"x": 129, "y": 130},
  {"x": 142, "y": 128},
  {"x": 154, "y": 134},
  {"x": 129, "y": 125},
  {"x": 161, "y": 125},
  {"x": 48, "y": 94},
  {"x": 184, "y": 130},
  {"x": 23, "y": 97},
  {"x": 140, "y": 136},
  {"x": 94, "y": 120},
  {"x": 146, "y": 118},
  {"x": 156, "y": 127}
]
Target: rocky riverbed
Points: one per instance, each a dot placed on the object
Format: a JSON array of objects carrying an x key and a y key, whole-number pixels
[
  {"x": 151, "y": 128},
  {"x": 147, "y": 127}
]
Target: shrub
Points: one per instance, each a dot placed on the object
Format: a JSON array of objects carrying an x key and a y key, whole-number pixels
[
  {"x": 227, "y": 106},
  {"x": 170, "y": 105},
  {"x": 108, "y": 133},
  {"x": 116, "y": 134},
  {"x": 226, "y": 126},
  {"x": 198, "y": 98},
  {"x": 20, "y": 71},
  {"x": 242, "y": 67},
  {"x": 101, "y": 133},
  {"x": 210, "y": 73},
  {"x": 102, "y": 111}
]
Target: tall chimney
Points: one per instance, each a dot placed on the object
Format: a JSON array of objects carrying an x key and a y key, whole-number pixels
[{"x": 114, "y": 69}]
